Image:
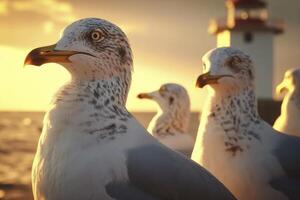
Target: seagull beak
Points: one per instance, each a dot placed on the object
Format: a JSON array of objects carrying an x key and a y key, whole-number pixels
[
  {"x": 207, "y": 79},
  {"x": 48, "y": 54},
  {"x": 281, "y": 88},
  {"x": 144, "y": 96}
]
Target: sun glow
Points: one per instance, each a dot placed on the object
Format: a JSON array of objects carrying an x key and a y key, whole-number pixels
[
  {"x": 159, "y": 56},
  {"x": 31, "y": 88},
  {"x": 3, "y": 7},
  {"x": 48, "y": 27}
]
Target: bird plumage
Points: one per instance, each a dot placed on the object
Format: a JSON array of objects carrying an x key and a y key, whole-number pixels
[
  {"x": 253, "y": 160},
  {"x": 287, "y": 122},
  {"x": 91, "y": 147},
  {"x": 171, "y": 123}
]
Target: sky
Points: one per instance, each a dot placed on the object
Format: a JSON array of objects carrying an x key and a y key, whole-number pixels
[{"x": 168, "y": 39}]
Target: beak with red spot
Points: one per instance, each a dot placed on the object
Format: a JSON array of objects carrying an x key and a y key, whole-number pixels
[
  {"x": 144, "y": 96},
  {"x": 48, "y": 54},
  {"x": 208, "y": 79}
]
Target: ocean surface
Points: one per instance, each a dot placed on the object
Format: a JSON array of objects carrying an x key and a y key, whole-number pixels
[{"x": 19, "y": 133}]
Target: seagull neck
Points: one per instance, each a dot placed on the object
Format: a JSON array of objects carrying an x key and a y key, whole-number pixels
[
  {"x": 98, "y": 106},
  {"x": 242, "y": 102},
  {"x": 172, "y": 121},
  {"x": 291, "y": 101},
  {"x": 236, "y": 115},
  {"x": 295, "y": 96},
  {"x": 102, "y": 92}
]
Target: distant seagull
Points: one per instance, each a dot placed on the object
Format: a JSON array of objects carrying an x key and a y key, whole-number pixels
[
  {"x": 91, "y": 148},
  {"x": 246, "y": 154},
  {"x": 170, "y": 125},
  {"x": 289, "y": 120}
]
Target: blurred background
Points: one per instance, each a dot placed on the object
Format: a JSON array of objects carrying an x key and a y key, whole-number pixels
[{"x": 168, "y": 39}]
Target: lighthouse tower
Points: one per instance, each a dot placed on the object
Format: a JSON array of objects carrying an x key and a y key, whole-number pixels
[{"x": 248, "y": 28}]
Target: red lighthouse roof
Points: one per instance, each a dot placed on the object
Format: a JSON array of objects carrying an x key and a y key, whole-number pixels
[{"x": 247, "y": 3}]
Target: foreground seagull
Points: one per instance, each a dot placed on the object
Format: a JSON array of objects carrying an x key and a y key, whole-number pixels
[
  {"x": 288, "y": 122},
  {"x": 246, "y": 154},
  {"x": 170, "y": 125},
  {"x": 91, "y": 147}
]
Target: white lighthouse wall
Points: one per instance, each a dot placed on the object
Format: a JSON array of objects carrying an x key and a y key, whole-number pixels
[{"x": 261, "y": 51}]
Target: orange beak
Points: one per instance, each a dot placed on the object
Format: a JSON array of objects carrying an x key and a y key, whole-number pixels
[
  {"x": 48, "y": 54},
  {"x": 207, "y": 79},
  {"x": 144, "y": 96}
]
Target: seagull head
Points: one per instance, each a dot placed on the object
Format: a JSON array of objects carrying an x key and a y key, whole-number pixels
[
  {"x": 89, "y": 48},
  {"x": 290, "y": 82},
  {"x": 226, "y": 69},
  {"x": 170, "y": 96}
]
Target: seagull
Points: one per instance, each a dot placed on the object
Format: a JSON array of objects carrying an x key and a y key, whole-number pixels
[
  {"x": 91, "y": 147},
  {"x": 288, "y": 121},
  {"x": 247, "y": 155},
  {"x": 170, "y": 125}
]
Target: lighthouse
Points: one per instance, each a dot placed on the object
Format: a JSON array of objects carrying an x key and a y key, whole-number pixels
[{"x": 248, "y": 27}]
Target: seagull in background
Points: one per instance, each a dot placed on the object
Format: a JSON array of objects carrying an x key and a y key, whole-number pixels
[
  {"x": 245, "y": 153},
  {"x": 170, "y": 125},
  {"x": 91, "y": 147},
  {"x": 288, "y": 121}
]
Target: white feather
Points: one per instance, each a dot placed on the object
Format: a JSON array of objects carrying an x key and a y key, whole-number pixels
[
  {"x": 233, "y": 143},
  {"x": 171, "y": 123},
  {"x": 288, "y": 121},
  {"x": 65, "y": 152}
]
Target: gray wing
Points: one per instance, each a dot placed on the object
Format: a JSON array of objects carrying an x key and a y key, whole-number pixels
[
  {"x": 187, "y": 153},
  {"x": 127, "y": 191},
  {"x": 288, "y": 186},
  {"x": 287, "y": 152},
  {"x": 165, "y": 174}
]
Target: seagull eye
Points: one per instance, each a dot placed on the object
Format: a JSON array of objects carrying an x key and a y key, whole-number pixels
[
  {"x": 97, "y": 36},
  {"x": 162, "y": 89}
]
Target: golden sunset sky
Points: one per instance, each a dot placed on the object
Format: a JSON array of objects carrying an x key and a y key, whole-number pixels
[{"x": 168, "y": 39}]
